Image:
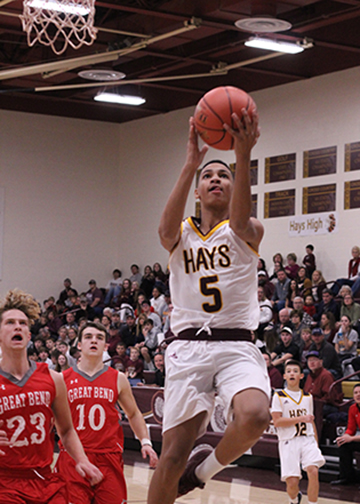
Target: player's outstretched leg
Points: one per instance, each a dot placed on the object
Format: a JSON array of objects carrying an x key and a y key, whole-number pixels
[
  {"x": 177, "y": 444},
  {"x": 250, "y": 419}
]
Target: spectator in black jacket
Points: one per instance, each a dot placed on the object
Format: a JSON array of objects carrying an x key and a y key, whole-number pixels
[
  {"x": 327, "y": 304},
  {"x": 327, "y": 353}
]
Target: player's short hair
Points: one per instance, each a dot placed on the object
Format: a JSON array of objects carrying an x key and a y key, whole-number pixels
[
  {"x": 213, "y": 161},
  {"x": 17, "y": 299},
  {"x": 293, "y": 362},
  {"x": 356, "y": 385},
  {"x": 311, "y": 247},
  {"x": 96, "y": 325}
]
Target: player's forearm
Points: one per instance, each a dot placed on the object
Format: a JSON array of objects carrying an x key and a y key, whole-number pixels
[
  {"x": 138, "y": 425},
  {"x": 288, "y": 422},
  {"x": 73, "y": 446},
  {"x": 175, "y": 207},
  {"x": 240, "y": 206},
  {"x": 285, "y": 422}
]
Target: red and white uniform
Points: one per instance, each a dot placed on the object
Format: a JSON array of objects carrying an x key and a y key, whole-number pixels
[
  {"x": 96, "y": 419},
  {"x": 28, "y": 420}
]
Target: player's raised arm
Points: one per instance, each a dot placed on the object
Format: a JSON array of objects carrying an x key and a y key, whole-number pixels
[
  {"x": 68, "y": 434},
  {"x": 245, "y": 137},
  {"x": 169, "y": 229},
  {"x": 136, "y": 420}
]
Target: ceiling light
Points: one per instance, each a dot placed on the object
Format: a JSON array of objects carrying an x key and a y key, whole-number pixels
[
  {"x": 53, "y": 5},
  {"x": 262, "y": 24},
  {"x": 276, "y": 45},
  {"x": 120, "y": 99},
  {"x": 101, "y": 75}
]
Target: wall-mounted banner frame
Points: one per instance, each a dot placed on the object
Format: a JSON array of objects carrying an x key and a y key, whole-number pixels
[{"x": 319, "y": 162}]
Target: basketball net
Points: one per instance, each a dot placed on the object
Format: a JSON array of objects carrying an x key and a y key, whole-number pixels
[{"x": 59, "y": 23}]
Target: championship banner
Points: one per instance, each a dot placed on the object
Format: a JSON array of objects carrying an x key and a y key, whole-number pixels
[{"x": 314, "y": 224}]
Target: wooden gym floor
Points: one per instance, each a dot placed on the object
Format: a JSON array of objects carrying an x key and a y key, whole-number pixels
[{"x": 234, "y": 485}]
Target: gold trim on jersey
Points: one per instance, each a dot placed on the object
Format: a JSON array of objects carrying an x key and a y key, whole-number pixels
[
  {"x": 210, "y": 233},
  {"x": 252, "y": 248},
  {"x": 289, "y": 396}
]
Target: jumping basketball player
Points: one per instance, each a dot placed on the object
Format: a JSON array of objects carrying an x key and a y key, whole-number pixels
[
  {"x": 213, "y": 287},
  {"x": 32, "y": 397},
  {"x": 93, "y": 392}
]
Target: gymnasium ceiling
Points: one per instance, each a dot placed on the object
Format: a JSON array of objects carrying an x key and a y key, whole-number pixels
[{"x": 162, "y": 46}]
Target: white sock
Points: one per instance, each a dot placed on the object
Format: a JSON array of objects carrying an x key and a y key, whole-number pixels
[
  {"x": 312, "y": 502},
  {"x": 208, "y": 468},
  {"x": 294, "y": 501}
]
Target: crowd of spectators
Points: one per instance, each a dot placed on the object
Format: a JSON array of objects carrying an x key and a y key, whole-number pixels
[
  {"x": 135, "y": 312},
  {"x": 299, "y": 313},
  {"x": 306, "y": 318},
  {"x": 302, "y": 317}
]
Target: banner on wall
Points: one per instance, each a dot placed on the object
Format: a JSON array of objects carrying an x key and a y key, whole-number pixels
[
  {"x": 314, "y": 224},
  {"x": 2, "y": 206}
]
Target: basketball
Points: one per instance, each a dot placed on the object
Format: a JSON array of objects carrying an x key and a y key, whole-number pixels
[{"x": 215, "y": 108}]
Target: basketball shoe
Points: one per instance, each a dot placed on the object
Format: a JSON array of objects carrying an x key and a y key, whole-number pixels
[
  {"x": 189, "y": 481},
  {"x": 299, "y": 497}
]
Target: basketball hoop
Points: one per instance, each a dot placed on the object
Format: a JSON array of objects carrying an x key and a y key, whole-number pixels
[{"x": 59, "y": 23}]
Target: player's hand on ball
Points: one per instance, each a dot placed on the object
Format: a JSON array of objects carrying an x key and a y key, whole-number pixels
[{"x": 247, "y": 130}]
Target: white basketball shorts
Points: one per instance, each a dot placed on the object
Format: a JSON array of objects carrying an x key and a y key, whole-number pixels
[
  {"x": 299, "y": 451},
  {"x": 198, "y": 370}
]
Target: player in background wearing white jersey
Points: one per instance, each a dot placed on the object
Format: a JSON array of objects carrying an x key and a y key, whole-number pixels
[
  {"x": 31, "y": 398},
  {"x": 292, "y": 412},
  {"x": 211, "y": 260}
]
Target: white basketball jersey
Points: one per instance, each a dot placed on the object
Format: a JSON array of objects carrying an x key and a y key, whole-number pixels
[
  {"x": 213, "y": 280},
  {"x": 290, "y": 408}
]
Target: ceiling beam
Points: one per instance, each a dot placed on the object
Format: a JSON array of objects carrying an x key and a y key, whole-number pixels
[{"x": 329, "y": 20}]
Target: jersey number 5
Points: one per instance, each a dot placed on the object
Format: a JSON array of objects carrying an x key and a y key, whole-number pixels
[{"x": 211, "y": 291}]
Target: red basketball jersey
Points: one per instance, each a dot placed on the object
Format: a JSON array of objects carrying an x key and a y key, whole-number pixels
[
  {"x": 28, "y": 420},
  {"x": 95, "y": 416}
]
